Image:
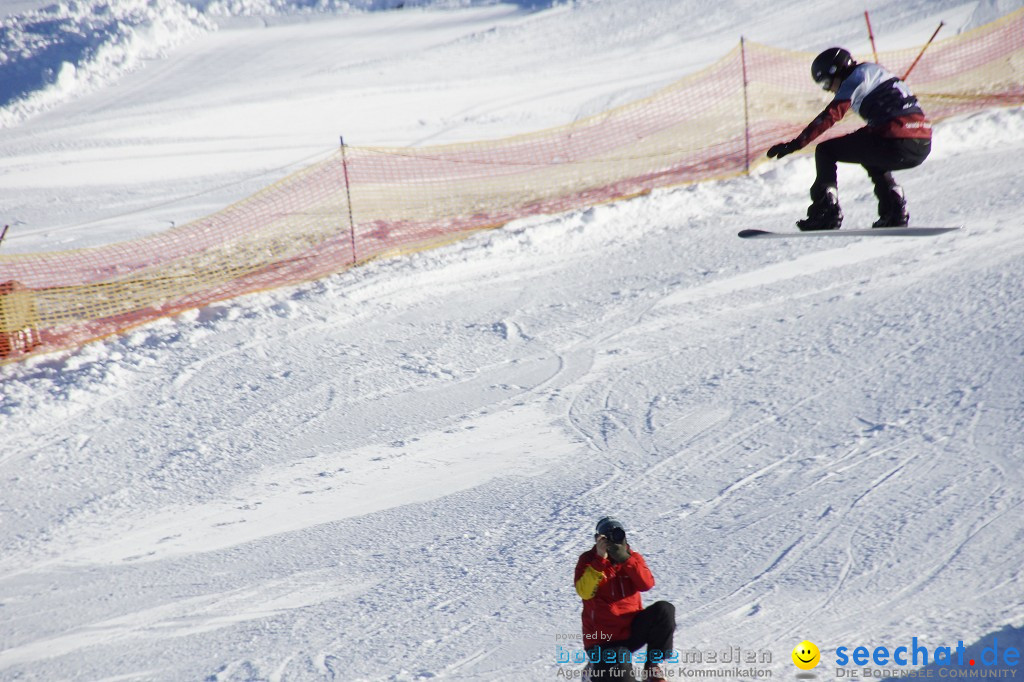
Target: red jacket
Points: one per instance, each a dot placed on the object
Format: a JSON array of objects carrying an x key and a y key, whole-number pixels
[{"x": 609, "y": 613}]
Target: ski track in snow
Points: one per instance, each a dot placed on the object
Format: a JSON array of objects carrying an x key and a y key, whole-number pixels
[{"x": 389, "y": 473}]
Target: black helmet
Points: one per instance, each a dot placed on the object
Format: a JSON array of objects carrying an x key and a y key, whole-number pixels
[{"x": 835, "y": 62}]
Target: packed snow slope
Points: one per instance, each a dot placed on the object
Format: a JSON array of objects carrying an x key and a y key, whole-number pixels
[{"x": 389, "y": 474}]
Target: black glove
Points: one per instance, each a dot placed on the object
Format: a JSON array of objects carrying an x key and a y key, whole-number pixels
[
  {"x": 618, "y": 553},
  {"x": 777, "y": 151}
]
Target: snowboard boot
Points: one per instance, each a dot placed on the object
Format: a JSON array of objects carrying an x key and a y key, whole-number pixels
[
  {"x": 823, "y": 213},
  {"x": 892, "y": 207}
]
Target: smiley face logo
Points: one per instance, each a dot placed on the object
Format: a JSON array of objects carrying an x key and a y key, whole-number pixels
[{"x": 806, "y": 655}]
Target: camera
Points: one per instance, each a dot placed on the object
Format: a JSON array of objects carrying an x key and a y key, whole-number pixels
[{"x": 616, "y": 535}]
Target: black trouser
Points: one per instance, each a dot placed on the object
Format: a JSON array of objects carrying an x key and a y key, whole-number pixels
[
  {"x": 653, "y": 627},
  {"x": 879, "y": 156}
]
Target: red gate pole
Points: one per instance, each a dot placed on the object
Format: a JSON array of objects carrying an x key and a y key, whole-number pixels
[
  {"x": 941, "y": 24},
  {"x": 871, "y": 36}
]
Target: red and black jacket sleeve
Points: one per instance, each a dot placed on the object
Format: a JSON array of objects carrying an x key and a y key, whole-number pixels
[{"x": 833, "y": 113}]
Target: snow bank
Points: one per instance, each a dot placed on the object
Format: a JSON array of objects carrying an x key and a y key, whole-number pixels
[
  {"x": 53, "y": 54},
  {"x": 50, "y": 55},
  {"x": 236, "y": 8}
]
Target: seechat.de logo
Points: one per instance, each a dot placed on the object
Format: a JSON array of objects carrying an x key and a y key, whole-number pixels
[{"x": 915, "y": 653}]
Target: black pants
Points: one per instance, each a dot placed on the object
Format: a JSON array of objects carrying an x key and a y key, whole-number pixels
[
  {"x": 653, "y": 627},
  {"x": 879, "y": 156}
]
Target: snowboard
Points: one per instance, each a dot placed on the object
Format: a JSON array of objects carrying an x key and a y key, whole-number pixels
[{"x": 871, "y": 232}]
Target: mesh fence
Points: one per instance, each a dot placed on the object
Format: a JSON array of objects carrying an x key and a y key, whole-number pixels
[{"x": 369, "y": 202}]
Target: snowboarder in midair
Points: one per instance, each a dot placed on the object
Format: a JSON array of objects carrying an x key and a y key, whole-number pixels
[{"x": 897, "y": 136}]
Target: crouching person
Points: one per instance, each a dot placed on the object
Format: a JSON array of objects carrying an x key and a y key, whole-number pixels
[{"x": 609, "y": 579}]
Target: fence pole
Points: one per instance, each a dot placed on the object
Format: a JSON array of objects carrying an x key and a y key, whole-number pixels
[
  {"x": 921, "y": 54},
  {"x": 3, "y": 234},
  {"x": 348, "y": 197},
  {"x": 871, "y": 36},
  {"x": 746, "y": 107}
]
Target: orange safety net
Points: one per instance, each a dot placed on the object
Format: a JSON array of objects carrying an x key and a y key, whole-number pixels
[{"x": 368, "y": 202}]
